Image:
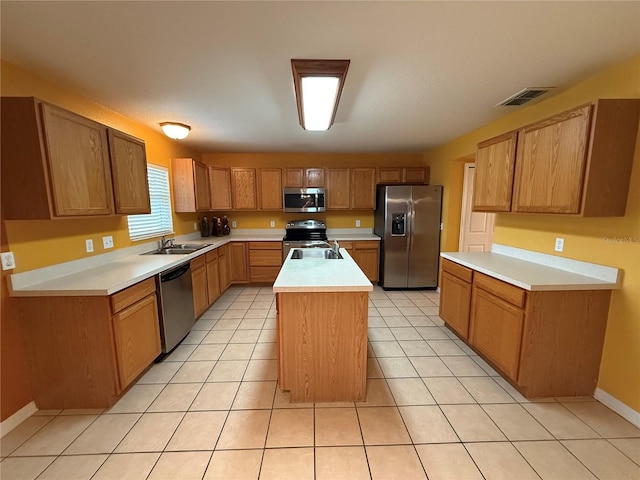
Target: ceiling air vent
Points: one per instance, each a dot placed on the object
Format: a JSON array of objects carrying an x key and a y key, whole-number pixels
[{"x": 523, "y": 96}]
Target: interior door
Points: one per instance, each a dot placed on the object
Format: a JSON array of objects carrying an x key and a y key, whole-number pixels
[{"x": 476, "y": 228}]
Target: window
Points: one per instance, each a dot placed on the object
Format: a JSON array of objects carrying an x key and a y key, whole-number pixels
[{"x": 159, "y": 221}]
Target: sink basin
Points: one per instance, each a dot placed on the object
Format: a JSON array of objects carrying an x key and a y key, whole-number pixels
[
  {"x": 315, "y": 254},
  {"x": 180, "y": 249}
]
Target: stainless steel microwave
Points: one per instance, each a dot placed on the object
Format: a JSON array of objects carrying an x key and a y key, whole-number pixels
[{"x": 303, "y": 200}]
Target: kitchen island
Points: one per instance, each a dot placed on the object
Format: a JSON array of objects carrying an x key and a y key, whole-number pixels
[{"x": 322, "y": 322}]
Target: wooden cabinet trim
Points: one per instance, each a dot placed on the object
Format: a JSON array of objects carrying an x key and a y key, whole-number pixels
[
  {"x": 211, "y": 256},
  {"x": 505, "y": 291},
  {"x": 131, "y": 295},
  {"x": 198, "y": 262},
  {"x": 457, "y": 270}
]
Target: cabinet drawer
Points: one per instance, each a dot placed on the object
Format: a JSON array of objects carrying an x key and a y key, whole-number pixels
[
  {"x": 366, "y": 245},
  {"x": 198, "y": 262},
  {"x": 265, "y": 246},
  {"x": 131, "y": 295},
  {"x": 457, "y": 270},
  {"x": 211, "y": 256},
  {"x": 271, "y": 258},
  {"x": 348, "y": 245},
  {"x": 263, "y": 274},
  {"x": 509, "y": 293}
]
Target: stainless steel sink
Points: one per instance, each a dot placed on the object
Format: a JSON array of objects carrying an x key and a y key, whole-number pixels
[
  {"x": 180, "y": 249},
  {"x": 315, "y": 254}
]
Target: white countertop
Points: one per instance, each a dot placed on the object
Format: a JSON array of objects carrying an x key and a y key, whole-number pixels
[
  {"x": 320, "y": 275},
  {"x": 539, "y": 272}
]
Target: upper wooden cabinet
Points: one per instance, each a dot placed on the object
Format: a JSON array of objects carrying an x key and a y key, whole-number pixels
[
  {"x": 129, "y": 170},
  {"x": 270, "y": 189},
  {"x": 220, "y": 187},
  {"x": 391, "y": 175},
  {"x": 190, "y": 181},
  {"x": 576, "y": 162},
  {"x": 338, "y": 188},
  {"x": 303, "y": 177},
  {"x": 363, "y": 188},
  {"x": 243, "y": 189},
  {"x": 495, "y": 162}
]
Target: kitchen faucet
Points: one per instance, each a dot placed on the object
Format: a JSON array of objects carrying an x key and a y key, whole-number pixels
[
  {"x": 336, "y": 247},
  {"x": 166, "y": 242}
]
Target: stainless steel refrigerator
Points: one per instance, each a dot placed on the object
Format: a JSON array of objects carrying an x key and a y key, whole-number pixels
[{"x": 407, "y": 219}]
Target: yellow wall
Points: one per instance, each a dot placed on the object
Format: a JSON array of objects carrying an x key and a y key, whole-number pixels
[
  {"x": 39, "y": 243},
  {"x": 334, "y": 219},
  {"x": 607, "y": 241}
]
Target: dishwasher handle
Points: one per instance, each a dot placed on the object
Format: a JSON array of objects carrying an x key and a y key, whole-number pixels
[{"x": 175, "y": 273}]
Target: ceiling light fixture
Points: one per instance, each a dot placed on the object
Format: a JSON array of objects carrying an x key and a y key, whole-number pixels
[
  {"x": 318, "y": 85},
  {"x": 174, "y": 130}
]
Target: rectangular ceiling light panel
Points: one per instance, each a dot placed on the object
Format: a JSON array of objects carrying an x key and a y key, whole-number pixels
[{"x": 318, "y": 86}]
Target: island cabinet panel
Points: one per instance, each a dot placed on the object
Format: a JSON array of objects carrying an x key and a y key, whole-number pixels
[
  {"x": 199, "y": 282},
  {"x": 270, "y": 189},
  {"x": 363, "y": 188},
  {"x": 83, "y": 352},
  {"x": 243, "y": 189},
  {"x": 546, "y": 343},
  {"x": 455, "y": 297},
  {"x": 220, "y": 185},
  {"x": 129, "y": 171},
  {"x": 495, "y": 165},
  {"x": 338, "y": 188},
  {"x": 190, "y": 181},
  {"x": 323, "y": 345},
  {"x": 265, "y": 260}
]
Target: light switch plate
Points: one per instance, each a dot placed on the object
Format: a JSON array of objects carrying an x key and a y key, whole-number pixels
[
  {"x": 559, "y": 244},
  {"x": 233, "y": 224},
  {"x": 8, "y": 261},
  {"x": 357, "y": 223},
  {"x": 195, "y": 226},
  {"x": 107, "y": 242},
  {"x": 272, "y": 223},
  {"x": 88, "y": 244}
]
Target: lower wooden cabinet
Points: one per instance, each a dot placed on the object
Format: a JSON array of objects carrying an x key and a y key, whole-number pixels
[
  {"x": 546, "y": 343},
  {"x": 265, "y": 261},
  {"x": 224, "y": 267},
  {"x": 238, "y": 262},
  {"x": 455, "y": 297},
  {"x": 199, "y": 283},
  {"x": 367, "y": 255},
  {"x": 84, "y": 351},
  {"x": 213, "y": 276}
]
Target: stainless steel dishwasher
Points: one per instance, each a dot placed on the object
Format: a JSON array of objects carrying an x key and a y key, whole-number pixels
[{"x": 176, "y": 305}]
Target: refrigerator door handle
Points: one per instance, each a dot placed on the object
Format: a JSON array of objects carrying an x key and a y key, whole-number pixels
[{"x": 410, "y": 227}]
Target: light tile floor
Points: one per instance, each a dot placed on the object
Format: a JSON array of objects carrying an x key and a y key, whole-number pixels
[{"x": 212, "y": 410}]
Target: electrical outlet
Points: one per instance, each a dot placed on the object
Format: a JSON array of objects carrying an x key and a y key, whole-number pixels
[
  {"x": 8, "y": 262},
  {"x": 559, "y": 244},
  {"x": 233, "y": 224},
  {"x": 88, "y": 245},
  {"x": 195, "y": 226},
  {"x": 272, "y": 223},
  {"x": 357, "y": 223},
  {"x": 107, "y": 242}
]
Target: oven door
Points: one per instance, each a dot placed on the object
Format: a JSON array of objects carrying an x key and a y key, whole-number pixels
[{"x": 309, "y": 200}]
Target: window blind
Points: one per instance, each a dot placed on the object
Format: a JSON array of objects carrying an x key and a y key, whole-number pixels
[{"x": 159, "y": 221}]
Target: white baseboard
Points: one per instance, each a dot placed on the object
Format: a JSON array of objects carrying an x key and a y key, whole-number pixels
[
  {"x": 17, "y": 418},
  {"x": 617, "y": 406}
]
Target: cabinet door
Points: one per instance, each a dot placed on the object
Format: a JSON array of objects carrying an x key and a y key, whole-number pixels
[
  {"x": 363, "y": 188},
  {"x": 213, "y": 281},
  {"x": 389, "y": 175},
  {"x": 496, "y": 331},
  {"x": 243, "y": 189},
  {"x": 338, "y": 188},
  {"x": 314, "y": 177},
  {"x": 129, "y": 171},
  {"x": 550, "y": 166},
  {"x": 137, "y": 337},
  {"x": 220, "y": 187},
  {"x": 366, "y": 255},
  {"x": 495, "y": 160},
  {"x": 455, "y": 303},
  {"x": 238, "y": 261},
  {"x": 224, "y": 267},
  {"x": 201, "y": 180},
  {"x": 415, "y": 175},
  {"x": 199, "y": 281},
  {"x": 293, "y": 177},
  {"x": 79, "y": 168},
  {"x": 270, "y": 188}
]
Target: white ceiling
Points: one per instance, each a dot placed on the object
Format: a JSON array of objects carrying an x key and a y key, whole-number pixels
[{"x": 421, "y": 73}]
